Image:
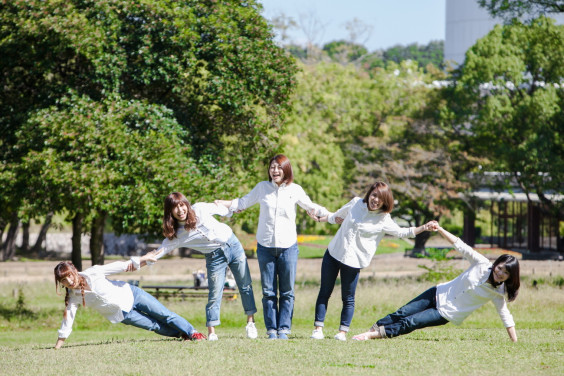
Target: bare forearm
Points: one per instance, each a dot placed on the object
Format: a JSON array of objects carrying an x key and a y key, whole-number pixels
[
  {"x": 429, "y": 226},
  {"x": 512, "y": 333}
]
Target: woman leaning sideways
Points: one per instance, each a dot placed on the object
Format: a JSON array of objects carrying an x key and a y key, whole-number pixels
[
  {"x": 455, "y": 300},
  {"x": 194, "y": 226},
  {"x": 364, "y": 222},
  {"x": 117, "y": 301}
]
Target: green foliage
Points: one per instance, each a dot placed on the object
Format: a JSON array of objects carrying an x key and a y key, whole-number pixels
[
  {"x": 510, "y": 9},
  {"x": 428, "y": 57},
  {"x": 436, "y": 254},
  {"x": 332, "y": 103},
  {"x": 343, "y": 51},
  {"x": 506, "y": 105},
  {"x": 424, "y": 55},
  {"x": 20, "y": 311},
  {"x": 109, "y": 105},
  {"x": 440, "y": 271}
]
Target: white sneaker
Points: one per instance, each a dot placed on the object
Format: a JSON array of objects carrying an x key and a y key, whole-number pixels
[
  {"x": 317, "y": 334},
  {"x": 212, "y": 337},
  {"x": 251, "y": 330},
  {"x": 340, "y": 336}
]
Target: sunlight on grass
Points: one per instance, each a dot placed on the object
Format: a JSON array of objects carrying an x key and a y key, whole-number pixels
[{"x": 99, "y": 347}]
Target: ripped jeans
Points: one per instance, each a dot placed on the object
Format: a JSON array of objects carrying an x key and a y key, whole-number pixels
[{"x": 232, "y": 255}]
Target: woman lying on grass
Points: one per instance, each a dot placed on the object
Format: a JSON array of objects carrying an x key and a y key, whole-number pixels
[
  {"x": 116, "y": 300},
  {"x": 455, "y": 300}
]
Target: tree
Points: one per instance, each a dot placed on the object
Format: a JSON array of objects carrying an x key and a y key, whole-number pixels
[
  {"x": 506, "y": 104},
  {"x": 511, "y": 9},
  {"x": 431, "y": 53},
  {"x": 99, "y": 160},
  {"x": 344, "y": 52},
  {"x": 210, "y": 67},
  {"x": 409, "y": 150}
]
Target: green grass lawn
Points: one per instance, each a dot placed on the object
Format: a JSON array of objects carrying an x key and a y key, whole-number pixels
[{"x": 96, "y": 347}]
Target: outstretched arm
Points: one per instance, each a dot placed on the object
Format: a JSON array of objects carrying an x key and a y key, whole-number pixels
[
  {"x": 512, "y": 333},
  {"x": 445, "y": 234},
  {"x": 226, "y": 203},
  {"x": 429, "y": 226},
  {"x": 151, "y": 257},
  {"x": 312, "y": 212}
]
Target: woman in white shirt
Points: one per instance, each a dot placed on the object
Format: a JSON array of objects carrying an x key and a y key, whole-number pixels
[
  {"x": 453, "y": 301},
  {"x": 277, "y": 247},
  {"x": 116, "y": 300},
  {"x": 194, "y": 226},
  {"x": 364, "y": 222}
]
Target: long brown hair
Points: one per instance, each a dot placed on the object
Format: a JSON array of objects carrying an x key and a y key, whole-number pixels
[
  {"x": 62, "y": 271},
  {"x": 170, "y": 224}
]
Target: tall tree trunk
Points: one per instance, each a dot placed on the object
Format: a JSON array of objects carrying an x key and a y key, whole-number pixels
[
  {"x": 97, "y": 238},
  {"x": 76, "y": 241},
  {"x": 42, "y": 234},
  {"x": 9, "y": 246},
  {"x": 420, "y": 240},
  {"x": 25, "y": 238}
]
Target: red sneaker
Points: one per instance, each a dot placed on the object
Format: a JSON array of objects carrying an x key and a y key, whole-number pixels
[{"x": 197, "y": 337}]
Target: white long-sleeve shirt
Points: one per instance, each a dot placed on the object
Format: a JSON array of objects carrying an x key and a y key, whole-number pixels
[
  {"x": 209, "y": 234},
  {"x": 470, "y": 290},
  {"x": 277, "y": 218},
  {"x": 109, "y": 298},
  {"x": 360, "y": 233}
]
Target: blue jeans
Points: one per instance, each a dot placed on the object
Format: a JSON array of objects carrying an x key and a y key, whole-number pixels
[
  {"x": 232, "y": 255},
  {"x": 419, "y": 313},
  {"x": 330, "y": 268},
  {"x": 278, "y": 274},
  {"x": 148, "y": 313}
]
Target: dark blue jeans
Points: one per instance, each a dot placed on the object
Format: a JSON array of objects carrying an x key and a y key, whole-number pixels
[
  {"x": 278, "y": 275},
  {"x": 330, "y": 268},
  {"x": 419, "y": 313}
]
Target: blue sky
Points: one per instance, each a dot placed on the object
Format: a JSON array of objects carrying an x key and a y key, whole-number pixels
[{"x": 393, "y": 21}]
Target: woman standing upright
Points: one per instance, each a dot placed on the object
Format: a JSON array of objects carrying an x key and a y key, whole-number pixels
[
  {"x": 364, "y": 222},
  {"x": 277, "y": 247}
]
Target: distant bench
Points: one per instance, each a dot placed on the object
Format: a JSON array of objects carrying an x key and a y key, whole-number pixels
[{"x": 183, "y": 292}]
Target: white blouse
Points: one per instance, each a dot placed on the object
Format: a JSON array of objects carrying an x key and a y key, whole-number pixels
[
  {"x": 109, "y": 298},
  {"x": 360, "y": 233},
  {"x": 469, "y": 291},
  {"x": 209, "y": 234},
  {"x": 277, "y": 218}
]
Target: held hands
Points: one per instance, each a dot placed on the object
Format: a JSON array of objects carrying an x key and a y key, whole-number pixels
[
  {"x": 312, "y": 214},
  {"x": 227, "y": 204},
  {"x": 316, "y": 218},
  {"x": 150, "y": 256},
  {"x": 431, "y": 226}
]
